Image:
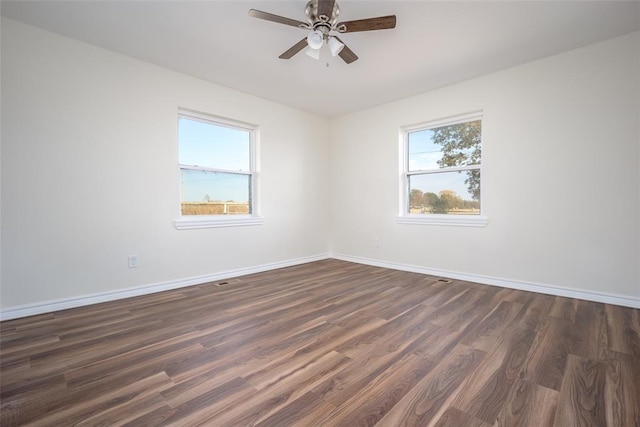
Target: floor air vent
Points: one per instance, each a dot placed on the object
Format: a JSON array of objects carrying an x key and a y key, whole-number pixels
[{"x": 227, "y": 282}]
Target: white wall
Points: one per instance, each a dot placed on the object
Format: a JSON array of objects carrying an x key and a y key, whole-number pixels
[
  {"x": 560, "y": 175},
  {"x": 89, "y": 174}
]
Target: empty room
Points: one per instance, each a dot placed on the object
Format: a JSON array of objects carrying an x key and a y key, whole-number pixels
[{"x": 320, "y": 213}]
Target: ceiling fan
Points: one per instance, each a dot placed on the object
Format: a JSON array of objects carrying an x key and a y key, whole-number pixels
[{"x": 322, "y": 16}]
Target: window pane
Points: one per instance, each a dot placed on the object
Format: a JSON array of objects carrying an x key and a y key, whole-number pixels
[
  {"x": 445, "y": 193},
  {"x": 215, "y": 193},
  {"x": 423, "y": 153},
  {"x": 213, "y": 146},
  {"x": 446, "y": 146}
]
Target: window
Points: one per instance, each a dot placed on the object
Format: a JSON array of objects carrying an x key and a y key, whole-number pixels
[
  {"x": 441, "y": 163},
  {"x": 218, "y": 173}
]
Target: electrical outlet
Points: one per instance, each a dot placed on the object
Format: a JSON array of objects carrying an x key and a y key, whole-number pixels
[
  {"x": 133, "y": 261},
  {"x": 377, "y": 242}
]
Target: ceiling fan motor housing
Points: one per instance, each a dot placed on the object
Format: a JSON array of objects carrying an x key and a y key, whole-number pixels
[{"x": 315, "y": 20}]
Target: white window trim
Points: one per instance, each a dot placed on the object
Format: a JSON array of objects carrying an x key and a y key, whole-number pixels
[
  {"x": 211, "y": 221},
  {"x": 434, "y": 219},
  {"x": 189, "y": 222}
]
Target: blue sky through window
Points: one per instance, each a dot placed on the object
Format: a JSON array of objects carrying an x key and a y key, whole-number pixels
[
  {"x": 214, "y": 146},
  {"x": 209, "y": 145},
  {"x": 423, "y": 153}
]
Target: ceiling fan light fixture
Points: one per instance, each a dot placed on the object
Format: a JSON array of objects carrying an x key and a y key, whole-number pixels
[
  {"x": 314, "y": 53},
  {"x": 335, "y": 46},
  {"x": 315, "y": 39}
]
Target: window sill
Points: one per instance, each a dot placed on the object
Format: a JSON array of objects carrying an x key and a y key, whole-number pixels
[
  {"x": 453, "y": 220},
  {"x": 192, "y": 222}
]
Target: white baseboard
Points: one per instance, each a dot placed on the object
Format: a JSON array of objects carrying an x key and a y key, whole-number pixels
[
  {"x": 63, "y": 304},
  {"x": 623, "y": 300}
]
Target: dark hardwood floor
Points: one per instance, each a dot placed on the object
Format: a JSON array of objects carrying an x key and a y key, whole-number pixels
[{"x": 326, "y": 343}]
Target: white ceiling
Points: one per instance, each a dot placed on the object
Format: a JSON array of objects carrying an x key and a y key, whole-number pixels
[{"x": 435, "y": 43}]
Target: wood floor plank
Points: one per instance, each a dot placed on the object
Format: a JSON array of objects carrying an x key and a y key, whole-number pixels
[
  {"x": 144, "y": 362},
  {"x": 20, "y": 342},
  {"x": 535, "y": 311},
  {"x": 564, "y": 308},
  {"x": 106, "y": 402},
  {"x": 350, "y": 381},
  {"x": 547, "y": 358},
  {"x": 307, "y": 410},
  {"x": 485, "y": 392},
  {"x": 453, "y": 417},
  {"x": 325, "y": 343},
  {"x": 202, "y": 408},
  {"x": 622, "y": 390},
  {"x": 302, "y": 374},
  {"x": 380, "y": 394},
  {"x": 451, "y": 310},
  {"x": 622, "y": 336},
  {"x": 423, "y": 402},
  {"x": 581, "y": 399},
  {"x": 362, "y": 344},
  {"x": 589, "y": 340},
  {"x": 126, "y": 411},
  {"x": 298, "y": 348},
  {"x": 490, "y": 328},
  {"x": 155, "y": 417},
  {"x": 529, "y": 405}
]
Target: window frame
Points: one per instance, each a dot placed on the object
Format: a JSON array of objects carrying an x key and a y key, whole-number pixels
[
  {"x": 212, "y": 221},
  {"x": 404, "y": 216}
]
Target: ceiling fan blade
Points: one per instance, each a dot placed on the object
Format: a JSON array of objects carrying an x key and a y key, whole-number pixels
[
  {"x": 277, "y": 18},
  {"x": 346, "y": 54},
  {"x": 379, "y": 23},
  {"x": 325, "y": 7},
  {"x": 294, "y": 49}
]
